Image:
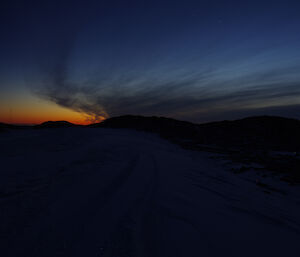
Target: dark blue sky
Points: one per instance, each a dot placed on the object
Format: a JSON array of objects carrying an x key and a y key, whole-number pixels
[{"x": 193, "y": 60}]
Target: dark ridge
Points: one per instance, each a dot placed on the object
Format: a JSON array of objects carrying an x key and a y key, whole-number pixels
[
  {"x": 5, "y": 126},
  {"x": 262, "y": 132},
  {"x": 246, "y": 141},
  {"x": 56, "y": 124},
  {"x": 166, "y": 127}
]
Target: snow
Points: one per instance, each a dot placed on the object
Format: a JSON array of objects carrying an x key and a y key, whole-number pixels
[{"x": 112, "y": 192}]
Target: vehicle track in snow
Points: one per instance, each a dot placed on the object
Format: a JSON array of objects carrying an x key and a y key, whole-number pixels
[{"x": 122, "y": 193}]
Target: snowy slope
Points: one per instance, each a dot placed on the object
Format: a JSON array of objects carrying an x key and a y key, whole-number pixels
[{"x": 109, "y": 192}]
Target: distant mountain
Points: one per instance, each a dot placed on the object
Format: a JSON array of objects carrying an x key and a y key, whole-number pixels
[
  {"x": 5, "y": 126},
  {"x": 166, "y": 127},
  {"x": 56, "y": 124},
  {"x": 262, "y": 132},
  {"x": 269, "y": 132}
]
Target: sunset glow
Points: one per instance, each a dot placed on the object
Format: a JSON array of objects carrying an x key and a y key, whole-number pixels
[
  {"x": 198, "y": 62},
  {"x": 27, "y": 109}
]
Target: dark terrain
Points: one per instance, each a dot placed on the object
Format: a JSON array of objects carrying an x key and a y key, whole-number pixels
[
  {"x": 273, "y": 142},
  {"x": 109, "y": 190},
  {"x": 263, "y": 132},
  {"x": 263, "y": 139}
]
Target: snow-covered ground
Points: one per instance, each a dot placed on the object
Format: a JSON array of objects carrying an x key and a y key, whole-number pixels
[{"x": 109, "y": 192}]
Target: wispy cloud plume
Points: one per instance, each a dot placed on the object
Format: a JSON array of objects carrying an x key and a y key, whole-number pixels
[{"x": 180, "y": 92}]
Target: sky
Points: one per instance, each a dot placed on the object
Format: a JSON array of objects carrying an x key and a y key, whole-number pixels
[{"x": 200, "y": 61}]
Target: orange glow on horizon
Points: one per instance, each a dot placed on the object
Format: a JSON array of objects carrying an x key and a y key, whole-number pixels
[
  {"x": 36, "y": 121},
  {"x": 35, "y": 111},
  {"x": 79, "y": 119}
]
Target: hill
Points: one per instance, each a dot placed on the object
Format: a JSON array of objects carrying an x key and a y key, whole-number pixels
[
  {"x": 166, "y": 127},
  {"x": 272, "y": 142},
  {"x": 56, "y": 124},
  {"x": 262, "y": 132},
  {"x": 267, "y": 132},
  {"x": 5, "y": 126}
]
